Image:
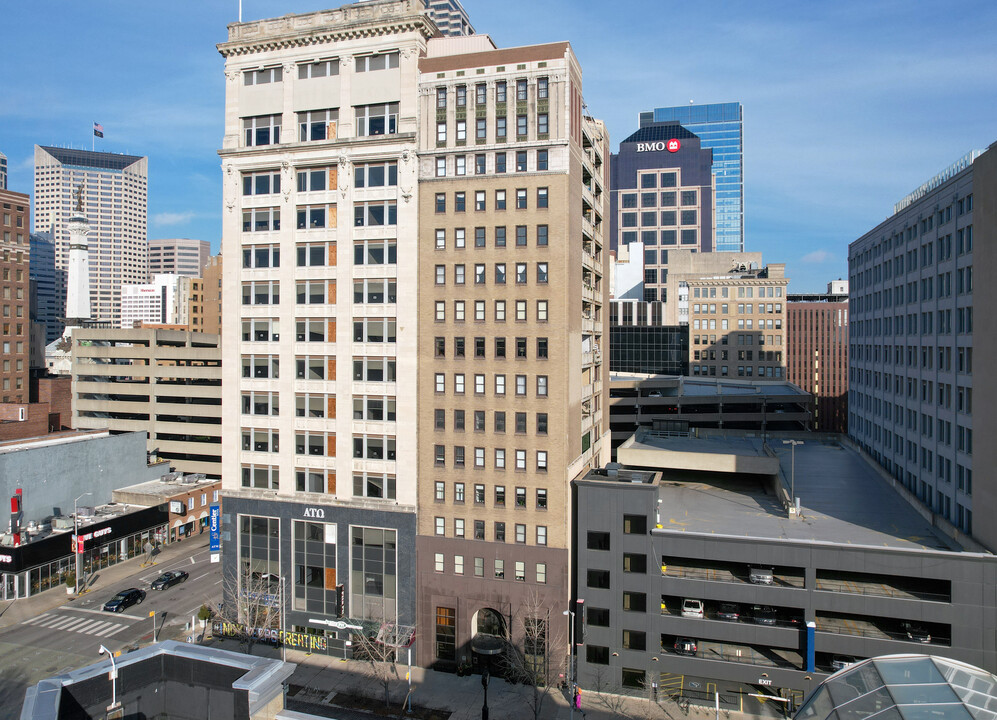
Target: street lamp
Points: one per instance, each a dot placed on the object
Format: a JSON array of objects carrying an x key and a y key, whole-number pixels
[
  {"x": 114, "y": 677},
  {"x": 571, "y": 659},
  {"x": 76, "y": 538},
  {"x": 792, "y": 472}
]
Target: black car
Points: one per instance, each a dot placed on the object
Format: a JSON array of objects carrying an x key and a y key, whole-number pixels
[
  {"x": 124, "y": 599},
  {"x": 764, "y": 615},
  {"x": 729, "y": 612},
  {"x": 169, "y": 579}
]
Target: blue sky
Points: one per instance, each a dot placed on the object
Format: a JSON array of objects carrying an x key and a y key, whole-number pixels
[{"x": 848, "y": 105}]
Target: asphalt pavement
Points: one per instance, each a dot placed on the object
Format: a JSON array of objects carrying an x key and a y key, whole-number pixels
[{"x": 54, "y": 632}]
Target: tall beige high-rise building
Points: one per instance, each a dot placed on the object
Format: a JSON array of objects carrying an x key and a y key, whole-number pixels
[
  {"x": 321, "y": 308},
  {"x": 413, "y": 295},
  {"x": 513, "y": 299},
  {"x": 178, "y": 256},
  {"x": 115, "y": 204}
]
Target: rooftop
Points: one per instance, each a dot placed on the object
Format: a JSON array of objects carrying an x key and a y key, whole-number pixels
[
  {"x": 91, "y": 159},
  {"x": 661, "y": 131},
  {"x": 169, "y": 485},
  {"x": 681, "y": 386},
  {"x": 843, "y": 498}
]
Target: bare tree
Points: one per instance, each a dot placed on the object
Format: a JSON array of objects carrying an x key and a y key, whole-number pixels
[
  {"x": 378, "y": 645},
  {"x": 250, "y": 607},
  {"x": 610, "y": 697},
  {"x": 533, "y": 664}
]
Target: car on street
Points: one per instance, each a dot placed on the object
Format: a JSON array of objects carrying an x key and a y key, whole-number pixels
[
  {"x": 730, "y": 612},
  {"x": 916, "y": 633},
  {"x": 124, "y": 599},
  {"x": 169, "y": 579}
]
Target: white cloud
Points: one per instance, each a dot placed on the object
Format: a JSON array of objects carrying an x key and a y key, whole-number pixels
[
  {"x": 172, "y": 218},
  {"x": 817, "y": 256}
]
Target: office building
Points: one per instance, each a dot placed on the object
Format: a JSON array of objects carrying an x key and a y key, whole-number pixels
[
  {"x": 114, "y": 205},
  {"x": 15, "y": 251},
  {"x": 319, "y": 343},
  {"x": 206, "y": 310},
  {"x": 911, "y": 377},
  {"x": 49, "y": 285},
  {"x": 662, "y": 196},
  {"x": 179, "y": 256},
  {"x": 640, "y": 342},
  {"x": 684, "y": 404},
  {"x": 719, "y": 128},
  {"x": 515, "y": 281},
  {"x": 165, "y": 383},
  {"x": 817, "y": 352},
  {"x": 3, "y": 171},
  {"x": 164, "y": 301},
  {"x": 694, "y": 574},
  {"x": 450, "y": 17}
]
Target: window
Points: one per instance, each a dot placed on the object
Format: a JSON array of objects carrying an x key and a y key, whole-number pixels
[
  {"x": 459, "y": 383},
  {"x": 543, "y": 127},
  {"x": 441, "y": 167},
  {"x": 479, "y": 457},
  {"x": 380, "y": 119},
  {"x": 261, "y": 183},
  {"x": 598, "y": 540},
  {"x": 261, "y": 219},
  {"x": 480, "y": 94},
  {"x": 541, "y": 534},
  {"x": 370, "y": 63},
  {"x": 438, "y": 563},
  {"x": 521, "y": 203},
  {"x": 322, "y": 68},
  {"x": 635, "y": 524},
  {"x": 260, "y": 256},
  {"x": 520, "y": 90},
  {"x": 458, "y": 274},
  {"x": 479, "y": 495},
  {"x": 500, "y": 127},
  {"x": 500, "y": 273},
  {"x": 500, "y": 199},
  {"x": 310, "y": 217},
  {"x": 459, "y": 201},
  {"x": 500, "y": 162},
  {"x": 459, "y": 238},
  {"x": 542, "y": 88},
  {"x": 500, "y": 495},
  {"x": 458, "y": 530},
  {"x": 500, "y": 310},
  {"x": 542, "y": 385},
  {"x": 375, "y": 252},
  {"x": 597, "y": 654},
  {"x": 500, "y": 384},
  {"x": 635, "y": 601},
  {"x": 461, "y": 137},
  {"x": 520, "y": 533},
  {"x": 374, "y": 214},
  {"x": 634, "y": 640},
  {"x": 521, "y": 236},
  {"x": 500, "y": 459},
  {"x": 317, "y": 125},
  {"x": 262, "y": 77},
  {"x": 460, "y": 93},
  {"x": 441, "y": 526},
  {"x": 542, "y": 467},
  {"x": 598, "y": 579},
  {"x": 479, "y": 164},
  {"x": 500, "y": 91},
  {"x": 520, "y": 272},
  {"x": 634, "y": 563},
  {"x": 441, "y": 98},
  {"x": 479, "y": 200},
  {"x": 441, "y": 311},
  {"x": 541, "y": 197},
  {"x": 261, "y": 130},
  {"x": 542, "y": 273}
]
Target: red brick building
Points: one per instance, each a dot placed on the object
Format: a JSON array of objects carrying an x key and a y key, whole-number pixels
[
  {"x": 817, "y": 352},
  {"x": 15, "y": 247}
]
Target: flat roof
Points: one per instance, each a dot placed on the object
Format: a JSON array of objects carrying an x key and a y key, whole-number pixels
[
  {"x": 167, "y": 488},
  {"x": 688, "y": 386},
  {"x": 844, "y": 500}
]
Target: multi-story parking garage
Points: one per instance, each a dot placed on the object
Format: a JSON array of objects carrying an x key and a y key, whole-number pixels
[{"x": 780, "y": 600}]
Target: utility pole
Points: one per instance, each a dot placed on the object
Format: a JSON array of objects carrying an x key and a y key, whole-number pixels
[
  {"x": 571, "y": 660},
  {"x": 792, "y": 472}
]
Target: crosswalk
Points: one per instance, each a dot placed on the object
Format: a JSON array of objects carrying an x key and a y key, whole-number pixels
[{"x": 74, "y": 623}]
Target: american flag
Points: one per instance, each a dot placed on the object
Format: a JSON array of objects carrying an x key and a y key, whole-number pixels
[{"x": 98, "y": 130}]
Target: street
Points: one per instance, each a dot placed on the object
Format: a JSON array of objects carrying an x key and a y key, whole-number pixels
[{"x": 69, "y": 636}]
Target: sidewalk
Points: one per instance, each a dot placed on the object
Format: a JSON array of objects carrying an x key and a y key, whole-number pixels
[
  {"x": 321, "y": 676},
  {"x": 13, "y": 612}
]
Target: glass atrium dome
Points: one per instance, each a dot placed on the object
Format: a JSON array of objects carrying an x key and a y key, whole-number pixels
[{"x": 905, "y": 687}]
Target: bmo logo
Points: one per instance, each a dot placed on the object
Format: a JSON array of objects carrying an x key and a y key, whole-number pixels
[{"x": 672, "y": 145}]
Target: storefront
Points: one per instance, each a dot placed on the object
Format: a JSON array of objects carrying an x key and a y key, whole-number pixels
[{"x": 47, "y": 562}]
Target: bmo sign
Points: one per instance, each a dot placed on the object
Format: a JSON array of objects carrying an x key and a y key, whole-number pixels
[{"x": 672, "y": 145}]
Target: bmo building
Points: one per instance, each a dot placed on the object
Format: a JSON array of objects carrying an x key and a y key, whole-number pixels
[{"x": 662, "y": 198}]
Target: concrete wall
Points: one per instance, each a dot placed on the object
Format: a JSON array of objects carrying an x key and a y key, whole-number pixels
[{"x": 53, "y": 474}]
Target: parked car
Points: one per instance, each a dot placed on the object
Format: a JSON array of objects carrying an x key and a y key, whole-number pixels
[
  {"x": 764, "y": 615},
  {"x": 729, "y": 611},
  {"x": 692, "y": 608},
  {"x": 124, "y": 599},
  {"x": 685, "y": 646},
  {"x": 654, "y": 394},
  {"x": 169, "y": 579},
  {"x": 916, "y": 633},
  {"x": 760, "y": 575},
  {"x": 840, "y": 662}
]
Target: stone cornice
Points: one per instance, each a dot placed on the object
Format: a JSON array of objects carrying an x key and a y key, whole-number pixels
[{"x": 348, "y": 23}]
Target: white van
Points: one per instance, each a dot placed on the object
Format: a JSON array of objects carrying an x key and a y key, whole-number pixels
[{"x": 692, "y": 608}]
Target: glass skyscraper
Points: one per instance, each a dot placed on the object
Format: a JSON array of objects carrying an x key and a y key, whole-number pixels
[{"x": 719, "y": 127}]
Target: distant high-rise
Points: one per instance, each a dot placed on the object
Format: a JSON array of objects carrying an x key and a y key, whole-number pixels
[
  {"x": 115, "y": 192},
  {"x": 719, "y": 128},
  {"x": 450, "y": 17},
  {"x": 178, "y": 256},
  {"x": 3, "y": 171},
  {"x": 49, "y": 287}
]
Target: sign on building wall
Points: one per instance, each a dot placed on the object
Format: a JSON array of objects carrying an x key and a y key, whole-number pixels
[{"x": 215, "y": 528}]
